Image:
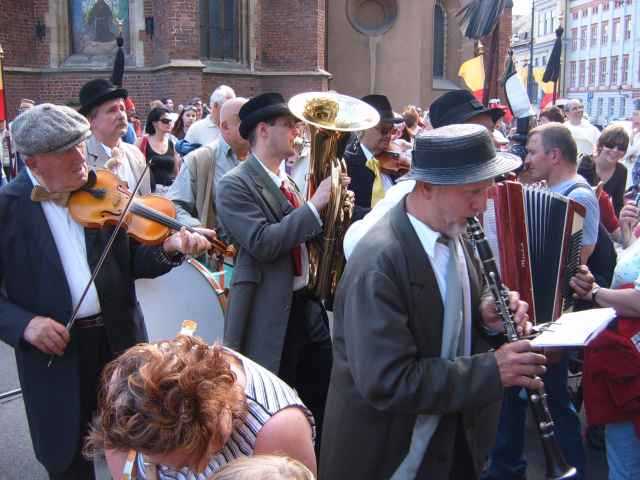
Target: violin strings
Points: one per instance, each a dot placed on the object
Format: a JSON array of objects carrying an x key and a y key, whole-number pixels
[{"x": 156, "y": 216}]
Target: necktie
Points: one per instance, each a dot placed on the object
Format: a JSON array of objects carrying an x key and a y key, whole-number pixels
[
  {"x": 377, "y": 191},
  {"x": 41, "y": 194},
  {"x": 452, "y": 328},
  {"x": 296, "y": 252}
]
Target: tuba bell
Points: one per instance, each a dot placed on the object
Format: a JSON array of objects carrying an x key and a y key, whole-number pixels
[{"x": 330, "y": 117}]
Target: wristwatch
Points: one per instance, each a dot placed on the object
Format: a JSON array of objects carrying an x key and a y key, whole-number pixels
[{"x": 594, "y": 292}]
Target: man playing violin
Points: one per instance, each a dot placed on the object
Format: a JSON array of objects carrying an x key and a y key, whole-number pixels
[
  {"x": 46, "y": 259},
  {"x": 368, "y": 182}
]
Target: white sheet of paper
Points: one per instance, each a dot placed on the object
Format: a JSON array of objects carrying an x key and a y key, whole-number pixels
[{"x": 575, "y": 329}]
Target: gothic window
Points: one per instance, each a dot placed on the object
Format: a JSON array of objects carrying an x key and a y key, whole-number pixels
[
  {"x": 439, "y": 40},
  {"x": 220, "y": 29}
]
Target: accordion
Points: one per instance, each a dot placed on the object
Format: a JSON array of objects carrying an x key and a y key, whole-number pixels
[{"x": 536, "y": 237}]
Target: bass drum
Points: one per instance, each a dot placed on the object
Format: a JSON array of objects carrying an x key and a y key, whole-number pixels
[{"x": 188, "y": 292}]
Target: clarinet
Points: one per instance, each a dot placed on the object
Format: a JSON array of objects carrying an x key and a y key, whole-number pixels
[{"x": 556, "y": 466}]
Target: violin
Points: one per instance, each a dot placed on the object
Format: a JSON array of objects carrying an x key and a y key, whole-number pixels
[
  {"x": 391, "y": 162},
  {"x": 150, "y": 219}
]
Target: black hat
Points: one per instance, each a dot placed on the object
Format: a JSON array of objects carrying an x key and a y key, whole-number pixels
[
  {"x": 458, "y": 106},
  {"x": 261, "y": 108},
  {"x": 382, "y": 105},
  {"x": 96, "y": 92},
  {"x": 458, "y": 154}
]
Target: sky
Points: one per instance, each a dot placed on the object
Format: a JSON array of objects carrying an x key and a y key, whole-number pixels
[{"x": 521, "y": 7}]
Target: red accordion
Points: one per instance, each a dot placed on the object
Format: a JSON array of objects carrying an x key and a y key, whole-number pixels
[{"x": 536, "y": 237}]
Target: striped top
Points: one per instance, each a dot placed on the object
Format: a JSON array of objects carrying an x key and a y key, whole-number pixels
[{"x": 266, "y": 395}]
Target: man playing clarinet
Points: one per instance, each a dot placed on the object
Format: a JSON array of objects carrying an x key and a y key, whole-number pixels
[{"x": 415, "y": 390}]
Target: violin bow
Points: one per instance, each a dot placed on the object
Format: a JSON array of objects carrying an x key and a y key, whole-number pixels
[{"x": 104, "y": 254}]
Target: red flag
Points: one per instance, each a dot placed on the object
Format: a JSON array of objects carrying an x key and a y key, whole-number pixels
[{"x": 3, "y": 104}]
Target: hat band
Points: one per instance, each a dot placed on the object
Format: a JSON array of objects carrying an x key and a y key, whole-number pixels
[{"x": 469, "y": 110}]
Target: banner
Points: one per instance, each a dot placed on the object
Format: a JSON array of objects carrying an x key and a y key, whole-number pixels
[
  {"x": 546, "y": 87},
  {"x": 3, "y": 104}
]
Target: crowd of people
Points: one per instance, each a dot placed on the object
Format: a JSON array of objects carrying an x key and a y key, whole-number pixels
[{"x": 414, "y": 378}]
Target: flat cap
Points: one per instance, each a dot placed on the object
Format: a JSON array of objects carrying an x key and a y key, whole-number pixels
[{"x": 48, "y": 128}]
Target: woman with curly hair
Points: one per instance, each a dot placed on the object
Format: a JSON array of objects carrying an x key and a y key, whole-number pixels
[{"x": 188, "y": 408}]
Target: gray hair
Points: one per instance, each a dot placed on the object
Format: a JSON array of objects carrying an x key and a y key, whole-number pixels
[
  {"x": 574, "y": 102},
  {"x": 221, "y": 95}
]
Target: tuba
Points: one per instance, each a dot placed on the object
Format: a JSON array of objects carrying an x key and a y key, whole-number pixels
[{"x": 330, "y": 117}]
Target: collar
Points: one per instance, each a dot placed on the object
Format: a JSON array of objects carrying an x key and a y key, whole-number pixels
[
  {"x": 277, "y": 179},
  {"x": 226, "y": 148},
  {"x": 427, "y": 236},
  {"x": 367, "y": 153},
  {"x": 106, "y": 149},
  {"x": 33, "y": 178}
]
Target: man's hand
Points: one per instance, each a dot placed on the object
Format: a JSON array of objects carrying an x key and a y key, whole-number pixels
[
  {"x": 629, "y": 216},
  {"x": 519, "y": 308},
  {"x": 321, "y": 197},
  {"x": 582, "y": 283},
  {"x": 187, "y": 243},
  {"x": 47, "y": 335},
  {"x": 518, "y": 364}
]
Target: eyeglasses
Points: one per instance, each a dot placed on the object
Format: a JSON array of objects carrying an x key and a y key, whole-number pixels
[
  {"x": 166, "y": 121},
  {"x": 614, "y": 146}
]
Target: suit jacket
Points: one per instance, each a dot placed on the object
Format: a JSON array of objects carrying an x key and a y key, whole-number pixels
[
  {"x": 387, "y": 367},
  {"x": 259, "y": 220},
  {"x": 361, "y": 178},
  {"x": 97, "y": 157},
  {"x": 33, "y": 283}
]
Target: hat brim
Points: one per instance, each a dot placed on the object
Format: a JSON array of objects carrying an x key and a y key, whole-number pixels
[
  {"x": 250, "y": 121},
  {"x": 386, "y": 118},
  {"x": 502, "y": 163},
  {"x": 110, "y": 95},
  {"x": 496, "y": 113}
]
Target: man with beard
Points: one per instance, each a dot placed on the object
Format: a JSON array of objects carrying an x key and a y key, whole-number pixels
[{"x": 414, "y": 386}]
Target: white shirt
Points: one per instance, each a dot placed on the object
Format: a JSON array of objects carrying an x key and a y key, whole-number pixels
[
  {"x": 203, "y": 131},
  {"x": 438, "y": 254},
  {"x": 585, "y": 135},
  {"x": 358, "y": 229},
  {"x": 299, "y": 281},
  {"x": 123, "y": 170},
  {"x": 72, "y": 249}
]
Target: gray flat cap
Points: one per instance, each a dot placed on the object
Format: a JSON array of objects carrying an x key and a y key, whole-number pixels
[{"x": 49, "y": 128}]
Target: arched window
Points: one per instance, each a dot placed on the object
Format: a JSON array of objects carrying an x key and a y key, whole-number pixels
[{"x": 439, "y": 40}]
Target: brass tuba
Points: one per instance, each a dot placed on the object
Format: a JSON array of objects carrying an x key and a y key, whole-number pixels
[{"x": 330, "y": 117}]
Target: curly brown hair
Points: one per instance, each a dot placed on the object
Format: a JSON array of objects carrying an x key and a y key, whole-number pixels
[{"x": 167, "y": 396}]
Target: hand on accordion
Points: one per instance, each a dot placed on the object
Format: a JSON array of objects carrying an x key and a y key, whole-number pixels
[
  {"x": 582, "y": 283},
  {"x": 519, "y": 308}
]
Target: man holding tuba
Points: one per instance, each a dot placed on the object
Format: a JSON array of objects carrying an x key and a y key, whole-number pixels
[{"x": 271, "y": 317}]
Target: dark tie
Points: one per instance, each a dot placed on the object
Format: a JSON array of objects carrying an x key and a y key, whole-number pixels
[{"x": 296, "y": 252}]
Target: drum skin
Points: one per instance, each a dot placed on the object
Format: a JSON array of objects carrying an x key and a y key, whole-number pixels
[{"x": 188, "y": 292}]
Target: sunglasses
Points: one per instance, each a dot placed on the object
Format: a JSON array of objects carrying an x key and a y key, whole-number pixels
[
  {"x": 166, "y": 121},
  {"x": 614, "y": 146}
]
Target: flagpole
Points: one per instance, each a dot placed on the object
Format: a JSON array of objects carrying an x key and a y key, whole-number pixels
[
  {"x": 530, "y": 83},
  {"x": 6, "y": 138}
]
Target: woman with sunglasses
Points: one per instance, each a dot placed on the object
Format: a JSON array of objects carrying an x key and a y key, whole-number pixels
[
  {"x": 158, "y": 148},
  {"x": 186, "y": 118},
  {"x": 605, "y": 166}
]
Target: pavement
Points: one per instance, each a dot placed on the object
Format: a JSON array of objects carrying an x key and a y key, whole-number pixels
[{"x": 17, "y": 459}]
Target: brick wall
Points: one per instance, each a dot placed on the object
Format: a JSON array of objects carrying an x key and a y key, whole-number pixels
[{"x": 17, "y": 32}]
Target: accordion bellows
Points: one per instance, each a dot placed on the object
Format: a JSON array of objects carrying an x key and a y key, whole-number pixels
[{"x": 536, "y": 236}]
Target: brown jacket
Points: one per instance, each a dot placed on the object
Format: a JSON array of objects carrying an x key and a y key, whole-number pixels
[{"x": 387, "y": 367}]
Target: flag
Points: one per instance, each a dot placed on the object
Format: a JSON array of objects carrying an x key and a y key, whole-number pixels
[
  {"x": 478, "y": 18},
  {"x": 552, "y": 72},
  {"x": 3, "y": 103},
  {"x": 472, "y": 72},
  {"x": 546, "y": 87}
]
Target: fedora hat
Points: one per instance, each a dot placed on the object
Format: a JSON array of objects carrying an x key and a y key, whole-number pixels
[
  {"x": 96, "y": 92},
  {"x": 259, "y": 109},
  {"x": 382, "y": 105},
  {"x": 458, "y": 154},
  {"x": 458, "y": 106}
]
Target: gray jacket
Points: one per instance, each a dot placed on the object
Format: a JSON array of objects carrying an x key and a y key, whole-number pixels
[
  {"x": 258, "y": 219},
  {"x": 387, "y": 367}
]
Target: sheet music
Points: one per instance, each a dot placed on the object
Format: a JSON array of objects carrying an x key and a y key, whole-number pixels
[{"x": 575, "y": 329}]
